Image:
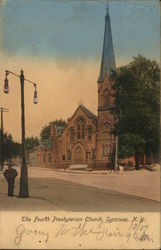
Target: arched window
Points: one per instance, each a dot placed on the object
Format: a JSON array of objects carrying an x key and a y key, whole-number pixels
[
  {"x": 44, "y": 158},
  {"x": 106, "y": 95},
  {"x": 79, "y": 131},
  {"x": 93, "y": 154},
  {"x": 106, "y": 150},
  {"x": 103, "y": 150},
  {"x": 89, "y": 133},
  {"x": 80, "y": 128},
  {"x": 71, "y": 135},
  {"x": 49, "y": 158},
  {"x": 69, "y": 155},
  {"x": 110, "y": 150}
]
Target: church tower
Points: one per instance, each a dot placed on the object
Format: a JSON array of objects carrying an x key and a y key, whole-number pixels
[{"x": 105, "y": 138}]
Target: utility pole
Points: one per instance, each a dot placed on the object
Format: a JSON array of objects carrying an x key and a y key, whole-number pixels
[
  {"x": 116, "y": 153},
  {"x": 116, "y": 144},
  {"x": 2, "y": 110}
]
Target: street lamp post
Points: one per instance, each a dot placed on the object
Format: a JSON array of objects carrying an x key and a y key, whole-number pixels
[
  {"x": 23, "y": 193},
  {"x": 24, "y": 175}
]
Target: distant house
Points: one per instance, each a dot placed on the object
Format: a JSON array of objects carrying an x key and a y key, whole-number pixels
[{"x": 32, "y": 158}]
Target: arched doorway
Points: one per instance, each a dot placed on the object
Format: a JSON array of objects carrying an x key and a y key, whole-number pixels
[{"x": 79, "y": 155}]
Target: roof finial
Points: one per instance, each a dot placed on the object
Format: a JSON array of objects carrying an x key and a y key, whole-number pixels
[
  {"x": 107, "y": 12},
  {"x": 80, "y": 102},
  {"x": 107, "y": 5}
]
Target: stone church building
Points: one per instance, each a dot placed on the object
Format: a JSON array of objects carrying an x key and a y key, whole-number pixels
[{"x": 87, "y": 140}]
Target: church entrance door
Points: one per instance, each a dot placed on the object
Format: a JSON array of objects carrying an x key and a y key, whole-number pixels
[{"x": 78, "y": 155}]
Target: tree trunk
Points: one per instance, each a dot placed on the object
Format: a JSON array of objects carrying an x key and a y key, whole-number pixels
[
  {"x": 137, "y": 162},
  {"x": 142, "y": 159},
  {"x": 149, "y": 158}
]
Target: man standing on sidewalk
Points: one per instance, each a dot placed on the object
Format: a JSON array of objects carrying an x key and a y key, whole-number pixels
[{"x": 10, "y": 175}]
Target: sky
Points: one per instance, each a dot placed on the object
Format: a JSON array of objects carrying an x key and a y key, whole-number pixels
[{"x": 58, "y": 43}]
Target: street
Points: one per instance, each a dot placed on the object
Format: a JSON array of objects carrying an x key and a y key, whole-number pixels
[{"x": 56, "y": 190}]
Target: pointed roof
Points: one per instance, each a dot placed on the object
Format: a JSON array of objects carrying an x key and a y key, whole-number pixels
[
  {"x": 89, "y": 113},
  {"x": 86, "y": 111},
  {"x": 108, "y": 58}
]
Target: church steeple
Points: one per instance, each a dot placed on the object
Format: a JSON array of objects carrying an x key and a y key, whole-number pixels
[
  {"x": 106, "y": 101},
  {"x": 108, "y": 58}
]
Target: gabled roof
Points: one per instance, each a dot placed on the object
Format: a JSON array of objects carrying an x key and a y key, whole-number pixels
[
  {"x": 108, "y": 58},
  {"x": 89, "y": 113}
]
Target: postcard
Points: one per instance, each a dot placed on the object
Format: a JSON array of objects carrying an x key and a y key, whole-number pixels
[{"x": 80, "y": 124}]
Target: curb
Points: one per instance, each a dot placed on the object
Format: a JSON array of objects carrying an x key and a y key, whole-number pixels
[{"x": 72, "y": 171}]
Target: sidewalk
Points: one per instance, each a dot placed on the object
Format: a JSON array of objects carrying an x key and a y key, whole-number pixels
[
  {"x": 29, "y": 204},
  {"x": 18, "y": 204}
]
